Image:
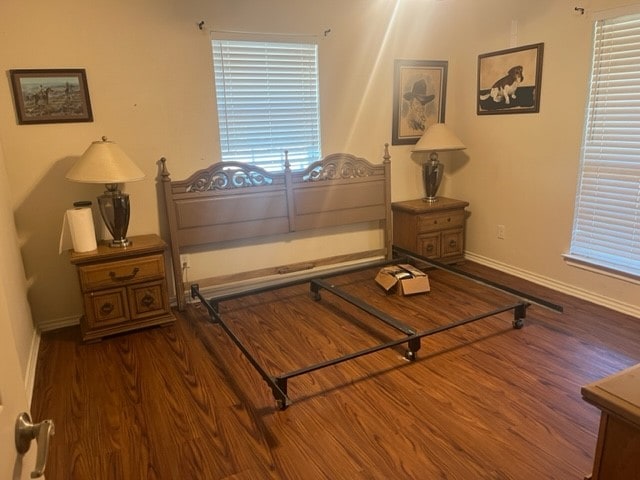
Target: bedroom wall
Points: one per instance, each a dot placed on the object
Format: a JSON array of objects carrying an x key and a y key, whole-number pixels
[
  {"x": 13, "y": 289},
  {"x": 150, "y": 79},
  {"x": 522, "y": 169}
]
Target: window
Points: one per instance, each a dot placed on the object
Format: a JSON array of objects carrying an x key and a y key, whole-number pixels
[
  {"x": 267, "y": 97},
  {"x": 606, "y": 231}
]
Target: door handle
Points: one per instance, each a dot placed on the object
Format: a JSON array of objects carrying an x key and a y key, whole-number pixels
[{"x": 27, "y": 431}]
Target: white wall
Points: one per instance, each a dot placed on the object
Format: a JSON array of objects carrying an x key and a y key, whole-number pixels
[
  {"x": 522, "y": 169},
  {"x": 150, "y": 78},
  {"x": 15, "y": 310}
]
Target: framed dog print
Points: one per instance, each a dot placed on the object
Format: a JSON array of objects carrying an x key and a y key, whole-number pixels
[
  {"x": 509, "y": 80},
  {"x": 420, "y": 90},
  {"x": 51, "y": 96}
]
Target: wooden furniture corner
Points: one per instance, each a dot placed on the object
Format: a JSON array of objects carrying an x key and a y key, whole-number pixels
[
  {"x": 123, "y": 289},
  {"x": 617, "y": 454},
  {"x": 433, "y": 230}
]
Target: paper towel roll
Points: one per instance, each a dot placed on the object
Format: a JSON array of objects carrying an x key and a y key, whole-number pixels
[{"x": 83, "y": 234}]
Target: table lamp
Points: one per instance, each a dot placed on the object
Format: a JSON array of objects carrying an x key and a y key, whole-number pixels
[
  {"x": 105, "y": 162},
  {"x": 436, "y": 138}
]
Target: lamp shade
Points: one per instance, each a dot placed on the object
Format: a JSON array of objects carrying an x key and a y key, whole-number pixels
[
  {"x": 438, "y": 138},
  {"x": 104, "y": 162}
]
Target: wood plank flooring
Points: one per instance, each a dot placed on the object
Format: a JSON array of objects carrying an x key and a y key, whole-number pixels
[{"x": 483, "y": 401}]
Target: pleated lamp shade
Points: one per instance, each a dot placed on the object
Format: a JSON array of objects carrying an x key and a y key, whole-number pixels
[
  {"x": 104, "y": 162},
  {"x": 438, "y": 138}
]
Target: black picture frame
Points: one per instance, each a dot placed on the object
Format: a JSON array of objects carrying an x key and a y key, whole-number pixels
[
  {"x": 51, "y": 96},
  {"x": 419, "y": 97},
  {"x": 498, "y": 93}
]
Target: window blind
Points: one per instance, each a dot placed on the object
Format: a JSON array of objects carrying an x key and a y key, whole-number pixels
[
  {"x": 606, "y": 229},
  {"x": 267, "y": 98}
]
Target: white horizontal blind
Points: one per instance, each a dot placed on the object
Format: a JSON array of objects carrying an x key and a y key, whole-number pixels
[
  {"x": 267, "y": 97},
  {"x": 606, "y": 228}
]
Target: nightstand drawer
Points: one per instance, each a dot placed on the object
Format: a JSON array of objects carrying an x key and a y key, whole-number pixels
[
  {"x": 428, "y": 223},
  {"x": 452, "y": 243},
  {"x": 148, "y": 300},
  {"x": 106, "y": 307},
  {"x": 429, "y": 245},
  {"x": 123, "y": 272}
]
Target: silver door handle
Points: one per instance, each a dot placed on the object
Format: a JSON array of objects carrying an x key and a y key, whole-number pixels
[{"x": 27, "y": 431}]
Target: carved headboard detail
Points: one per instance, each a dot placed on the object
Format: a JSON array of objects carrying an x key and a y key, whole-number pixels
[
  {"x": 232, "y": 201},
  {"x": 226, "y": 176}
]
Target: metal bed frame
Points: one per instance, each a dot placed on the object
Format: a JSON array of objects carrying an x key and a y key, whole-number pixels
[{"x": 278, "y": 383}]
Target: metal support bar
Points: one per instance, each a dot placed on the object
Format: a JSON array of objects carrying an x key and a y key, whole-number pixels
[
  {"x": 393, "y": 343},
  {"x": 275, "y": 384},
  {"x": 356, "y": 302},
  {"x": 443, "y": 266}
]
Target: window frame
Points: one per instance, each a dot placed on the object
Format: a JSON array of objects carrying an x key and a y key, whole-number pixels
[
  {"x": 305, "y": 145},
  {"x": 581, "y": 253}
]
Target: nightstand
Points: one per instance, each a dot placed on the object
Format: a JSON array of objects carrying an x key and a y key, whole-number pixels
[
  {"x": 433, "y": 230},
  {"x": 123, "y": 289}
]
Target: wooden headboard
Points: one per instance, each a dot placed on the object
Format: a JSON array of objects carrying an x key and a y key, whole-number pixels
[{"x": 232, "y": 201}]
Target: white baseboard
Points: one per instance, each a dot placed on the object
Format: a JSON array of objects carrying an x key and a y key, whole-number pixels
[
  {"x": 30, "y": 376},
  {"x": 56, "y": 323},
  {"x": 587, "y": 295}
]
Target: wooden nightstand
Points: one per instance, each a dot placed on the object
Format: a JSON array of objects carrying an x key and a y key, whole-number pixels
[
  {"x": 432, "y": 230},
  {"x": 123, "y": 288},
  {"x": 618, "y": 398}
]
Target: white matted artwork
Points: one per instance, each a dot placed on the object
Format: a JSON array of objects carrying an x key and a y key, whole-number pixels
[{"x": 420, "y": 88}]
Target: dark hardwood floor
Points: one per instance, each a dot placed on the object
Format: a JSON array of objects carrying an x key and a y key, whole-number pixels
[{"x": 482, "y": 401}]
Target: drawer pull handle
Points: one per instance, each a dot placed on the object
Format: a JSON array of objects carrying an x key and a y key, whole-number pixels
[
  {"x": 124, "y": 278},
  {"x": 452, "y": 243},
  {"x": 147, "y": 300},
  {"x": 106, "y": 308},
  {"x": 430, "y": 247}
]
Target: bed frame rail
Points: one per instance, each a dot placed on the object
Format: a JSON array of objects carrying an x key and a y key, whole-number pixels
[{"x": 278, "y": 383}]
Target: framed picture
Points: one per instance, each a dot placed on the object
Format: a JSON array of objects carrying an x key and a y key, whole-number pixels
[
  {"x": 509, "y": 80},
  {"x": 51, "y": 96},
  {"x": 420, "y": 90}
]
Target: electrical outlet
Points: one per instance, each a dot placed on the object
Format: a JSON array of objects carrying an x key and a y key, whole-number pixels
[
  {"x": 185, "y": 261},
  {"x": 501, "y": 232}
]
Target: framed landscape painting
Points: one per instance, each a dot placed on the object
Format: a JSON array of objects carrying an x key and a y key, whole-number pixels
[{"x": 51, "y": 96}]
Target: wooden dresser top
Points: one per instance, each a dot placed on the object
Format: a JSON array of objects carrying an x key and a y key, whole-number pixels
[{"x": 618, "y": 394}]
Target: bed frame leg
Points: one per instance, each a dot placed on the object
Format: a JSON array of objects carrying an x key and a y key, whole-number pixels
[
  {"x": 195, "y": 293},
  {"x": 280, "y": 393},
  {"x": 519, "y": 314},
  {"x": 314, "y": 291},
  {"x": 412, "y": 351}
]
